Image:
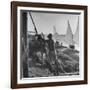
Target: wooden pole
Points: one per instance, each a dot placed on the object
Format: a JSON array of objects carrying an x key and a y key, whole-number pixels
[{"x": 33, "y": 23}]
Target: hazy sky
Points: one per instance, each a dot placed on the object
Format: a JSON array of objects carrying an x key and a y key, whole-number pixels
[{"x": 45, "y": 22}]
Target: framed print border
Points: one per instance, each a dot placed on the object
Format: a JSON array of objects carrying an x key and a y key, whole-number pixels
[{"x": 14, "y": 42}]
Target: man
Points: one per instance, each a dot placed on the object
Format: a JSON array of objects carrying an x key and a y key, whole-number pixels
[
  {"x": 50, "y": 45},
  {"x": 51, "y": 55},
  {"x": 39, "y": 48}
]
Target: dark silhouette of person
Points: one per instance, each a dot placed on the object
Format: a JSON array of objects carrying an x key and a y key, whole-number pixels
[{"x": 51, "y": 54}]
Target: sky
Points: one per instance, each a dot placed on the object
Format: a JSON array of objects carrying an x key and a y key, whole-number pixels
[{"x": 46, "y": 21}]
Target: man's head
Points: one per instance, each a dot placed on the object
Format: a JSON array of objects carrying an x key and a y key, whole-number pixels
[
  {"x": 49, "y": 36},
  {"x": 36, "y": 36},
  {"x": 39, "y": 36}
]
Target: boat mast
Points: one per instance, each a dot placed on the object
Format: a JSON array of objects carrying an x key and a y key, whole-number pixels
[{"x": 33, "y": 23}]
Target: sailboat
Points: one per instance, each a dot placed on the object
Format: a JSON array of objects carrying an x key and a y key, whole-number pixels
[
  {"x": 58, "y": 37},
  {"x": 69, "y": 37},
  {"x": 76, "y": 35},
  {"x": 55, "y": 34}
]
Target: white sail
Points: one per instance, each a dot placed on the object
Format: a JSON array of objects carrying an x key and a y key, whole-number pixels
[
  {"x": 69, "y": 35},
  {"x": 55, "y": 34},
  {"x": 76, "y": 35},
  {"x": 54, "y": 30}
]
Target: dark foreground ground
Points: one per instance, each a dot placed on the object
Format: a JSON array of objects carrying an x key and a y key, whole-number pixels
[{"x": 67, "y": 63}]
